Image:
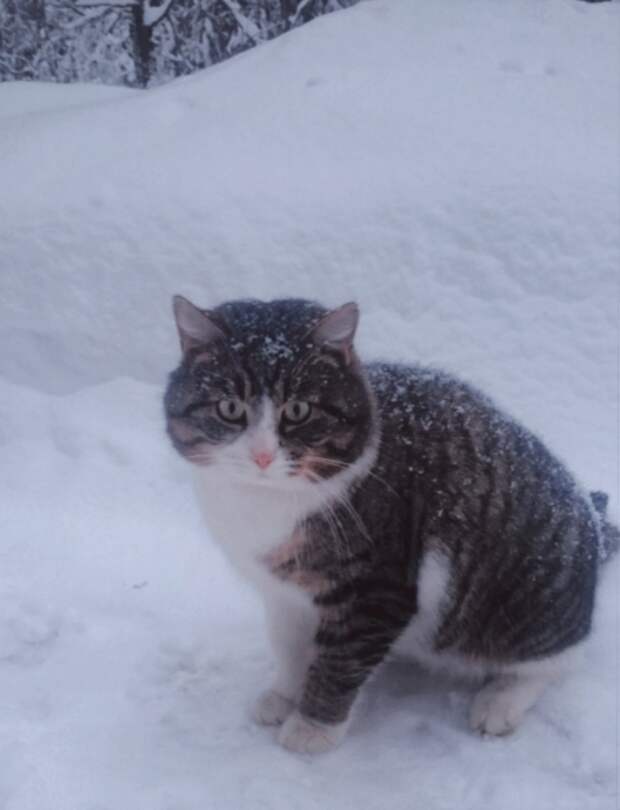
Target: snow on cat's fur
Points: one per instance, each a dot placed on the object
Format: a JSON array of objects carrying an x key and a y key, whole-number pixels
[{"x": 377, "y": 509}]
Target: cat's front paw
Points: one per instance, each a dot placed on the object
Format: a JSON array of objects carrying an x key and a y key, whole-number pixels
[
  {"x": 272, "y": 708},
  {"x": 307, "y": 737},
  {"x": 495, "y": 711}
]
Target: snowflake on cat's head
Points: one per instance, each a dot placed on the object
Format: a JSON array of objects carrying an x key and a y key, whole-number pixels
[{"x": 276, "y": 347}]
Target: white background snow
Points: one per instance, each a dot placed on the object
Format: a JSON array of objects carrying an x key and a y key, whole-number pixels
[{"x": 455, "y": 167}]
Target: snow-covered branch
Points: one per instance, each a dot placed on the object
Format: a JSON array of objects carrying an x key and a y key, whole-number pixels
[
  {"x": 294, "y": 17},
  {"x": 138, "y": 42},
  {"x": 247, "y": 26},
  {"x": 152, "y": 14},
  {"x": 84, "y": 18},
  {"x": 93, "y": 3}
]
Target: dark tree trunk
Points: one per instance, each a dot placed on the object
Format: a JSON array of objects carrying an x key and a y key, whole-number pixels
[
  {"x": 288, "y": 9},
  {"x": 142, "y": 44}
]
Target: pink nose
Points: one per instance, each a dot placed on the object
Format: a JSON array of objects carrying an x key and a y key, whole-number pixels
[{"x": 263, "y": 459}]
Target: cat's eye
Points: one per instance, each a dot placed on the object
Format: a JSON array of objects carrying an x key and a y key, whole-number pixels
[
  {"x": 231, "y": 409},
  {"x": 296, "y": 411}
]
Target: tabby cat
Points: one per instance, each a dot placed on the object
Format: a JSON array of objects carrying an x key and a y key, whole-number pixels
[{"x": 378, "y": 508}]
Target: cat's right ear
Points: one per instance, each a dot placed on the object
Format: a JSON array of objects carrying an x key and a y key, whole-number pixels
[{"x": 194, "y": 325}]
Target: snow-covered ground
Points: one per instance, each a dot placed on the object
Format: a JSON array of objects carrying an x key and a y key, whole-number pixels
[{"x": 454, "y": 166}]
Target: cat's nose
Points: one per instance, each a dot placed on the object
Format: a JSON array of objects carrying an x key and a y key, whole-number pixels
[{"x": 262, "y": 459}]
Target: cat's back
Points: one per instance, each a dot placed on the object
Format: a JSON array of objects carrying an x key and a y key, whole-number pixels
[
  {"x": 435, "y": 400},
  {"x": 517, "y": 530},
  {"x": 456, "y": 433},
  {"x": 472, "y": 461}
]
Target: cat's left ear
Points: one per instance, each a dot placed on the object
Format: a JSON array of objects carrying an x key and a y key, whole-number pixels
[
  {"x": 194, "y": 325},
  {"x": 336, "y": 330}
]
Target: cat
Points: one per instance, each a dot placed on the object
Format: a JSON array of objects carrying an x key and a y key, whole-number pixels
[{"x": 379, "y": 508}]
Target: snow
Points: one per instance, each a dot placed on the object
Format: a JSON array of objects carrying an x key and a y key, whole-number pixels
[
  {"x": 19, "y": 98},
  {"x": 453, "y": 167}
]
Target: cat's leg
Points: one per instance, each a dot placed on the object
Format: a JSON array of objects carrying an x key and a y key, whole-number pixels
[
  {"x": 346, "y": 654},
  {"x": 500, "y": 705},
  {"x": 291, "y": 625}
]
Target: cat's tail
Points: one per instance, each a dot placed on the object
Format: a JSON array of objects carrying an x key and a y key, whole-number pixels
[{"x": 610, "y": 534}]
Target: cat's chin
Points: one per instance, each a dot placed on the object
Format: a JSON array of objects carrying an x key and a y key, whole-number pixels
[
  {"x": 290, "y": 484},
  {"x": 283, "y": 482}
]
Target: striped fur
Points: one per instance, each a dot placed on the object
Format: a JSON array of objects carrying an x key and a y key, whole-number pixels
[{"x": 417, "y": 512}]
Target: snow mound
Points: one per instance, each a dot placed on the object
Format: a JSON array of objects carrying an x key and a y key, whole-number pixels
[{"x": 452, "y": 166}]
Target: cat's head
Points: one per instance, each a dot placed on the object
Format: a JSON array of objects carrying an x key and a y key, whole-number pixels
[{"x": 269, "y": 393}]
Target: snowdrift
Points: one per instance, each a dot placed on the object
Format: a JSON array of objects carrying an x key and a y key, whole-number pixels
[{"x": 452, "y": 166}]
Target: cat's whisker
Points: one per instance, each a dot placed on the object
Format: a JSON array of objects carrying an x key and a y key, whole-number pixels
[
  {"x": 327, "y": 513},
  {"x": 331, "y": 462},
  {"x": 336, "y": 529},
  {"x": 345, "y": 502}
]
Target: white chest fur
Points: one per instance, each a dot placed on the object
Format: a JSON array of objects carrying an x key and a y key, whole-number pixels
[{"x": 249, "y": 521}]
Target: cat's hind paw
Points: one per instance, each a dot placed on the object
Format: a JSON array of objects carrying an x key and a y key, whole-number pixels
[
  {"x": 307, "y": 737},
  {"x": 271, "y": 708}
]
